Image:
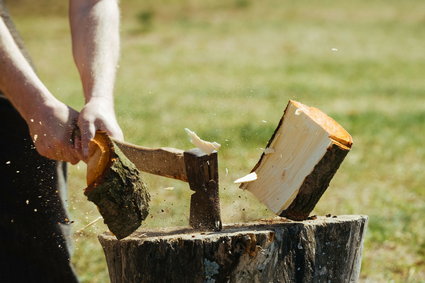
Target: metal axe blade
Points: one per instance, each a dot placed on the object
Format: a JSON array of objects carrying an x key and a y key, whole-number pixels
[{"x": 202, "y": 175}]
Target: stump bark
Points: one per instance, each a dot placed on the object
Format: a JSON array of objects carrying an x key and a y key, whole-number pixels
[{"x": 326, "y": 249}]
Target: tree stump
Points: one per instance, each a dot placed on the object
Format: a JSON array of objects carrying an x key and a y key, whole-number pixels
[{"x": 324, "y": 249}]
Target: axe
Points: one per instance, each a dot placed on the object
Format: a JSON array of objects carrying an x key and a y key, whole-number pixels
[{"x": 197, "y": 168}]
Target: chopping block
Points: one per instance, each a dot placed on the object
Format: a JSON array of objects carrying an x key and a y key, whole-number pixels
[
  {"x": 324, "y": 249},
  {"x": 117, "y": 189}
]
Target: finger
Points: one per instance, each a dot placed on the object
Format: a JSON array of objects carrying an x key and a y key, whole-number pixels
[
  {"x": 118, "y": 134},
  {"x": 112, "y": 129},
  {"x": 57, "y": 151},
  {"x": 65, "y": 152},
  {"x": 53, "y": 153},
  {"x": 76, "y": 140},
  {"x": 77, "y": 147},
  {"x": 74, "y": 160},
  {"x": 88, "y": 131},
  {"x": 70, "y": 154}
]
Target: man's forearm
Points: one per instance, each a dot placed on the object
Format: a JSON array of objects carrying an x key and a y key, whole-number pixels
[
  {"x": 50, "y": 121},
  {"x": 18, "y": 80},
  {"x": 95, "y": 41},
  {"x": 95, "y": 45}
]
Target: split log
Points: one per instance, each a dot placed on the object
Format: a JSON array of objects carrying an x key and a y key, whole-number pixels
[
  {"x": 326, "y": 249},
  {"x": 116, "y": 187},
  {"x": 299, "y": 161}
]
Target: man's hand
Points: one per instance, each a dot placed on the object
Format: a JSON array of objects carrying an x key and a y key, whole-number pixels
[
  {"x": 97, "y": 114},
  {"x": 95, "y": 46},
  {"x": 51, "y": 128},
  {"x": 95, "y": 40},
  {"x": 50, "y": 121}
]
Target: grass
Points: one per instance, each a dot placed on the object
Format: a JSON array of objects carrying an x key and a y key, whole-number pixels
[{"x": 226, "y": 69}]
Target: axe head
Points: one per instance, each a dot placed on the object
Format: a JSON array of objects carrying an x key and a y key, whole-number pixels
[{"x": 202, "y": 175}]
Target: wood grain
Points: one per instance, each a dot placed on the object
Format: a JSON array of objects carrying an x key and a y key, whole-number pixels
[
  {"x": 304, "y": 138},
  {"x": 163, "y": 161}
]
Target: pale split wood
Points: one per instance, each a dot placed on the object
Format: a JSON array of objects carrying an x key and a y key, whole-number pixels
[{"x": 301, "y": 141}]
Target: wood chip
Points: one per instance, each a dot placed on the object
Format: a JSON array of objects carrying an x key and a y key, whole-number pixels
[
  {"x": 206, "y": 146},
  {"x": 251, "y": 177}
]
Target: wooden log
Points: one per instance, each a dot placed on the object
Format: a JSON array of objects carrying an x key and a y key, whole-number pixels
[
  {"x": 116, "y": 187},
  {"x": 299, "y": 161},
  {"x": 326, "y": 249}
]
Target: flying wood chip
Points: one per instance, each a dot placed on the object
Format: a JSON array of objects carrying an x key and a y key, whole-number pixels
[
  {"x": 307, "y": 149},
  {"x": 116, "y": 187},
  {"x": 205, "y": 146}
]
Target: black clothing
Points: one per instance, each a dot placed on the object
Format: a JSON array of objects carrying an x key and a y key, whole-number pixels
[{"x": 33, "y": 219}]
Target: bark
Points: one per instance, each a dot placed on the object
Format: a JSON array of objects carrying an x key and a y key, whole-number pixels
[
  {"x": 119, "y": 193},
  {"x": 315, "y": 184},
  {"x": 327, "y": 249}
]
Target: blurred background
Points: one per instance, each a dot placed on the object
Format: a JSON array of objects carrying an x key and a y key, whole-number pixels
[{"x": 226, "y": 69}]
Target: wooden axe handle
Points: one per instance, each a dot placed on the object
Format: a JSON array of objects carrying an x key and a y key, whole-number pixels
[{"x": 163, "y": 161}]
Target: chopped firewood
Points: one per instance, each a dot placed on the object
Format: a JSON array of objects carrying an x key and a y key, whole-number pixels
[
  {"x": 308, "y": 148},
  {"x": 116, "y": 187}
]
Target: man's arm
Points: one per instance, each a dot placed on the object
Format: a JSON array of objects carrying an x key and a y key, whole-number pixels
[
  {"x": 49, "y": 120},
  {"x": 95, "y": 42}
]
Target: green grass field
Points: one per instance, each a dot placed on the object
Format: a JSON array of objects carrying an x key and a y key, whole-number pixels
[{"x": 226, "y": 70}]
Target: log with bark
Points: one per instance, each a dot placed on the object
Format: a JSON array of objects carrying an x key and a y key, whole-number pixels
[
  {"x": 326, "y": 249},
  {"x": 299, "y": 161},
  {"x": 116, "y": 187}
]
